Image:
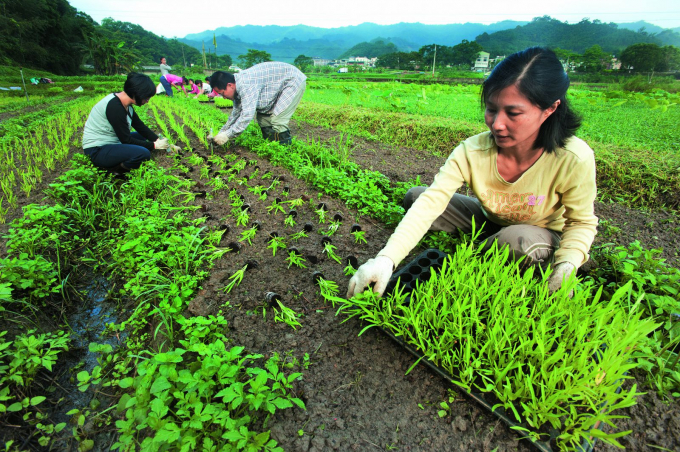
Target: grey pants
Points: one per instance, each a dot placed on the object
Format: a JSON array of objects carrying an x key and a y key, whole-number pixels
[
  {"x": 280, "y": 122},
  {"x": 536, "y": 244}
]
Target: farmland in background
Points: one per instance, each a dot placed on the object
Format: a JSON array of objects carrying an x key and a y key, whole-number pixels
[{"x": 161, "y": 238}]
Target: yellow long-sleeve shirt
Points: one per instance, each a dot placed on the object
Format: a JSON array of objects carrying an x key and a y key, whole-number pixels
[{"x": 557, "y": 192}]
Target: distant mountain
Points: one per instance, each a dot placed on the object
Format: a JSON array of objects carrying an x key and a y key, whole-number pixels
[
  {"x": 375, "y": 48},
  {"x": 667, "y": 36},
  {"x": 501, "y": 38},
  {"x": 549, "y": 32},
  {"x": 286, "y": 43}
]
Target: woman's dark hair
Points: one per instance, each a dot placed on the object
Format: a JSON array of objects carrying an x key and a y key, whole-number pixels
[
  {"x": 199, "y": 83},
  {"x": 139, "y": 87},
  {"x": 185, "y": 80},
  {"x": 161, "y": 60},
  {"x": 219, "y": 79},
  {"x": 540, "y": 77},
  {"x": 207, "y": 79}
]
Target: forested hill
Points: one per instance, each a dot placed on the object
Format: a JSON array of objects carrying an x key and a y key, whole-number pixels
[
  {"x": 52, "y": 35},
  {"x": 546, "y": 31}
]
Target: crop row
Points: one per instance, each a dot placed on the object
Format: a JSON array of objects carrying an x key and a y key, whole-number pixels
[{"x": 27, "y": 153}]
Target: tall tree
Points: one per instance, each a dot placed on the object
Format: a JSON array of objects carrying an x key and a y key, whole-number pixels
[
  {"x": 253, "y": 57},
  {"x": 643, "y": 57},
  {"x": 594, "y": 59},
  {"x": 303, "y": 62},
  {"x": 45, "y": 34}
]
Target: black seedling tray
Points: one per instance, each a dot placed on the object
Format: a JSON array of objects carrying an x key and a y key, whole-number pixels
[{"x": 419, "y": 270}]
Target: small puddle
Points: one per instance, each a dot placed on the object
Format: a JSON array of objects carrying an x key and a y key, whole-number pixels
[{"x": 87, "y": 325}]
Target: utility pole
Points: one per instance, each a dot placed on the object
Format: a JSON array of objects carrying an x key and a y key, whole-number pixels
[
  {"x": 21, "y": 69},
  {"x": 434, "y": 60}
]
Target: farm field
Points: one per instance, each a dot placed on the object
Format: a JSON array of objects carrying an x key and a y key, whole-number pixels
[{"x": 174, "y": 264}]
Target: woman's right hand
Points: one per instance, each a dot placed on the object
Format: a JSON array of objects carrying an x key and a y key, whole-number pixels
[
  {"x": 161, "y": 143},
  {"x": 378, "y": 271}
]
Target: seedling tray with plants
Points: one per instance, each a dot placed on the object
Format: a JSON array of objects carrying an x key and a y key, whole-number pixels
[{"x": 549, "y": 365}]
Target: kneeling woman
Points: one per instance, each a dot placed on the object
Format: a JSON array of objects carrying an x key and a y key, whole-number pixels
[
  {"x": 533, "y": 180},
  {"x": 107, "y": 139}
]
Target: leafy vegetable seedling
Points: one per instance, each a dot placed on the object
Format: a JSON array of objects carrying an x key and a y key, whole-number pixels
[
  {"x": 359, "y": 236},
  {"x": 295, "y": 259},
  {"x": 235, "y": 279},
  {"x": 248, "y": 235},
  {"x": 276, "y": 243}
]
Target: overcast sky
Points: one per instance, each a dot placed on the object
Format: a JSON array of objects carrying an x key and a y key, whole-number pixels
[{"x": 174, "y": 18}]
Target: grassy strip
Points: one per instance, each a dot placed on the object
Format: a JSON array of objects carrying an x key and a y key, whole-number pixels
[
  {"x": 636, "y": 178},
  {"x": 401, "y": 129}
]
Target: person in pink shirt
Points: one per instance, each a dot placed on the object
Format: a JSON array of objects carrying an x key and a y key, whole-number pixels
[
  {"x": 194, "y": 88},
  {"x": 170, "y": 80}
]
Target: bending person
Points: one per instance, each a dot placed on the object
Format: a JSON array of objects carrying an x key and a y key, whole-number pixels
[
  {"x": 170, "y": 80},
  {"x": 268, "y": 92},
  {"x": 533, "y": 180},
  {"x": 107, "y": 138}
]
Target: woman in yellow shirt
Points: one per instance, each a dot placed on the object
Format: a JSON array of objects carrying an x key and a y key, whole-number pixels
[{"x": 533, "y": 180}]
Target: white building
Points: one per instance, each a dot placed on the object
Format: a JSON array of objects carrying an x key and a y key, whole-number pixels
[{"x": 482, "y": 62}]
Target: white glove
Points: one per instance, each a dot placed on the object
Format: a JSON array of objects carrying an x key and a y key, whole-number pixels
[
  {"x": 378, "y": 270},
  {"x": 561, "y": 273},
  {"x": 174, "y": 148},
  {"x": 161, "y": 143},
  {"x": 220, "y": 138}
]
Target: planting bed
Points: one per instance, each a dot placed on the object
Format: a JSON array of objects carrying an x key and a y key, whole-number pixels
[{"x": 355, "y": 388}]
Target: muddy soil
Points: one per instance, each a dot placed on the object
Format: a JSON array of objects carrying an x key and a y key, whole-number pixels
[{"x": 356, "y": 389}]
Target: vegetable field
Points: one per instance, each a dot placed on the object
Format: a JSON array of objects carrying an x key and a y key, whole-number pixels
[{"x": 198, "y": 303}]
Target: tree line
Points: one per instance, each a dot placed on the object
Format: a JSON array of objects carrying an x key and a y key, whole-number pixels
[{"x": 56, "y": 37}]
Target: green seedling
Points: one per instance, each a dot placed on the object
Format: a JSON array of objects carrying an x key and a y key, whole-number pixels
[
  {"x": 275, "y": 207},
  {"x": 332, "y": 228},
  {"x": 295, "y": 259},
  {"x": 276, "y": 243},
  {"x": 321, "y": 212},
  {"x": 297, "y": 202},
  {"x": 290, "y": 221},
  {"x": 235, "y": 279},
  {"x": 242, "y": 217},
  {"x": 299, "y": 235},
  {"x": 359, "y": 237},
  {"x": 329, "y": 249},
  {"x": 349, "y": 270},
  {"x": 286, "y": 315},
  {"x": 248, "y": 235}
]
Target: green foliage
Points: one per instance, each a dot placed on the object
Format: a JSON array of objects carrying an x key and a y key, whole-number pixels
[
  {"x": 150, "y": 47},
  {"x": 508, "y": 335},
  {"x": 375, "y": 48},
  {"x": 35, "y": 277},
  {"x": 657, "y": 287},
  {"x": 253, "y": 57},
  {"x": 43, "y": 34},
  {"x": 21, "y": 360},
  {"x": 548, "y": 32},
  {"x": 646, "y": 57},
  {"x": 202, "y": 395},
  {"x": 286, "y": 315},
  {"x": 303, "y": 62}
]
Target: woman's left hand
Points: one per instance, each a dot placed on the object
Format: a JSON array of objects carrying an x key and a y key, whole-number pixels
[{"x": 562, "y": 272}]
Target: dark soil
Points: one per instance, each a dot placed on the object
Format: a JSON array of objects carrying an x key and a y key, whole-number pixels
[{"x": 355, "y": 388}]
